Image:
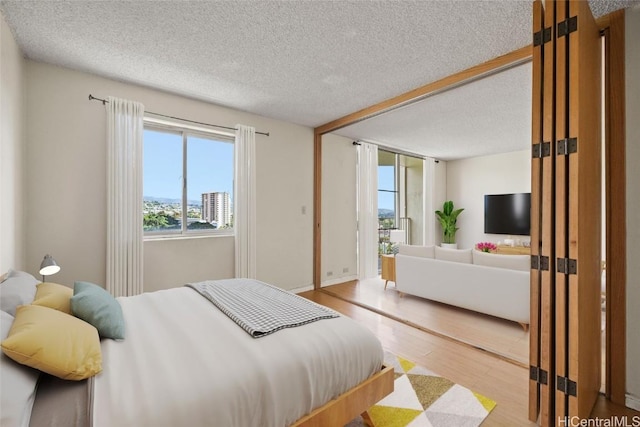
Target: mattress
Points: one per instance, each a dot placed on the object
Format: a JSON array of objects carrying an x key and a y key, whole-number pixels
[{"x": 184, "y": 362}]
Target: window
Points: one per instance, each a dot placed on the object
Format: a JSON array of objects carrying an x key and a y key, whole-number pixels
[
  {"x": 387, "y": 190},
  {"x": 400, "y": 200},
  {"x": 188, "y": 181}
]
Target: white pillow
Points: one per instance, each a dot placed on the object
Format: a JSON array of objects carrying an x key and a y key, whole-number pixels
[
  {"x": 19, "y": 288},
  {"x": 511, "y": 262},
  {"x": 18, "y": 387},
  {"x": 4, "y": 276},
  {"x": 416, "y": 250},
  {"x": 454, "y": 255}
]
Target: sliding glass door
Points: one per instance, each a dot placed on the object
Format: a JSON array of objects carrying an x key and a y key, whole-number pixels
[
  {"x": 387, "y": 190},
  {"x": 400, "y": 201}
]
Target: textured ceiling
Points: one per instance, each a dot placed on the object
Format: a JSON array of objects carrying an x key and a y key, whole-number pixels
[
  {"x": 306, "y": 62},
  {"x": 488, "y": 116}
]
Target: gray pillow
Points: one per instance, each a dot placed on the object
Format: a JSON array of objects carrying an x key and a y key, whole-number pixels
[
  {"x": 19, "y": 288},
  {"x": 18, "y": 387}
]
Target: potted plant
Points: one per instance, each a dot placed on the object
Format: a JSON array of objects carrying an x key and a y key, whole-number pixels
[{"x": 448, "y": 217}]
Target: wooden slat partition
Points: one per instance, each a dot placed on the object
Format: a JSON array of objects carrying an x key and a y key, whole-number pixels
[
  {"x": 585, "y": 218},
  {"x": 547, "y": 227},
  {"x": 536, "y": 209},
  {"x": 542, "y": 338},
  {"x": 561, "y": 209},
  {"x": 569, "y": 184},
  {"x": 616, "y": 271}
]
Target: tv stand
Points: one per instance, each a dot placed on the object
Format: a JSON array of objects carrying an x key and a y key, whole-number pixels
[{"x": 513, "y": 250}]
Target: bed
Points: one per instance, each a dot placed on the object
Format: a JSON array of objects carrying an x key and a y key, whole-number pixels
[{"x": 184, "y": 362}]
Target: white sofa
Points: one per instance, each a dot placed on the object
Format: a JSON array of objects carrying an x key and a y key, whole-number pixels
[{"x": 484, "y": 282}]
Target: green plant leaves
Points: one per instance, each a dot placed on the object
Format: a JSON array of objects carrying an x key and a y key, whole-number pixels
[{"x": 447, "y": 219}]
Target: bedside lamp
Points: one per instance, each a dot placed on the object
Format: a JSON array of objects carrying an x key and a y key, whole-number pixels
[{"x": 48, "y": 266}]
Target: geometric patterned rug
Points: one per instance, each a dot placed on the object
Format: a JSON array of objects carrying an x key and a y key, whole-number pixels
[{"x": 422, "y": 398}]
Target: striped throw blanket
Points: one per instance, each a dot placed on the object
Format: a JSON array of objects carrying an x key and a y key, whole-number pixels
[{"x": 258, "y": 308}]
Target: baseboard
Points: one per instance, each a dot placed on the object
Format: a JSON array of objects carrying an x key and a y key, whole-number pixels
[
  {"x": 301, "y": 289},
  {"x": 339, "y": 280},
  {"x": 632, "y": 402}
]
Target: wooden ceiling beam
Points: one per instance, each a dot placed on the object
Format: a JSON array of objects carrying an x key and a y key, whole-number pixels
[{"x": 496, "y": 64}]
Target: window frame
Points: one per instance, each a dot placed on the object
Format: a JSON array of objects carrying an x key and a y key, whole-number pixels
[{"x": 166, "y": 126}]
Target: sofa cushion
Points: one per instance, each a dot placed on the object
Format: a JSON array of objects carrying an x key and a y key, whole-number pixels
[
  {"x": 512, "y": 262},
  {"x": 416, "y": 250},
  {"x": 454, "y": 255}
]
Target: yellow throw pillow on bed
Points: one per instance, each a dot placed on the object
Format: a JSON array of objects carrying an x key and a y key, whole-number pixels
[
  {"x": 54, "y": 342},
  {"x": 54, "y": 296}
]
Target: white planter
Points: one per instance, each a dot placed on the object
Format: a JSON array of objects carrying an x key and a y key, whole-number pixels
[{"x": 449, "y": 245}]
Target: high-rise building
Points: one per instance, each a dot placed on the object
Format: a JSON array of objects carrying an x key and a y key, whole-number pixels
[{"x": 216, "y": 207}]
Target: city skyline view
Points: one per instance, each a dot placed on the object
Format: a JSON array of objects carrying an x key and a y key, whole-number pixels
[
  {"x": 208, "y": 164},
  {"x": 209, "y": 167}
]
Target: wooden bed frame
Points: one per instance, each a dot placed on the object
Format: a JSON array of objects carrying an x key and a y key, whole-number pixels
[{"x": 347, "y": 406}]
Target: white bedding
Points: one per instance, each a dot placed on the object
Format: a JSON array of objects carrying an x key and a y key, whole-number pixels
[{"x": 184, "y": 363}]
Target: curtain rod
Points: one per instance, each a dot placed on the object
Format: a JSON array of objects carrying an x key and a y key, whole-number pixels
[{"x": 104, "y": 102}]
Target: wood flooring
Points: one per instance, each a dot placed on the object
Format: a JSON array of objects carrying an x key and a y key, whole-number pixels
[
  {"x": 497, "y": 378},
  {"x": 505, "y": 338}
]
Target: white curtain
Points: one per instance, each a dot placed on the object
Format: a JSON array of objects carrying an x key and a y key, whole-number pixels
[
  {"x": 244, "y": 203},
  {"x": 428, "y": 187},
  {"x": 367, "y": 210},
  {"x": 124, "y": 197},
  {"x": 435, "y": 193}
]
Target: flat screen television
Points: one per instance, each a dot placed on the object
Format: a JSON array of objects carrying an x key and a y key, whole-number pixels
[{"x": 507, "y": 214}]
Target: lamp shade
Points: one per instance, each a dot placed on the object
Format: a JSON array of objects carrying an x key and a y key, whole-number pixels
[{"x": 49, "y": 266}]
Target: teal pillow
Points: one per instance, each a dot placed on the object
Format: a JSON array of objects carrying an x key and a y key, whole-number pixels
[{"x": 98, "y": 307}]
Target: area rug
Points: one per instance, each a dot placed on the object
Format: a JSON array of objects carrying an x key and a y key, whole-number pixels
[{"x": 422, "y": 398}]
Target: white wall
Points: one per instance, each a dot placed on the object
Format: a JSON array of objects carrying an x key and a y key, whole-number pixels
[
  {"x": 66, "y": 184},
  {"x": 339, "y": 210},
  {"x": 166, "y": 261},
  {"x": 12, "y": 112},
  {"x": 468, "y": 180},
  {"x": 632, "y": 73}
]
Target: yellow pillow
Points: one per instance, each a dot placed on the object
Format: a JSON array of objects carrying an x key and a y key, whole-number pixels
[
  {"x": 54, "y": 342},
  {"x": 54, "y": 296}
]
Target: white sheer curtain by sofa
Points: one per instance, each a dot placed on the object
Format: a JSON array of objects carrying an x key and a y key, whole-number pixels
[
  {"x": 244, "y": 203},
  {"x": 124, "y": 197},
  {"x": 367, "y": 210},
  {"x": 429, "y": 200}
]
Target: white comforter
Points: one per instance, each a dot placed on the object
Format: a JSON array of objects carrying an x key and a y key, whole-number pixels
[{"x": 184, "y": 363}]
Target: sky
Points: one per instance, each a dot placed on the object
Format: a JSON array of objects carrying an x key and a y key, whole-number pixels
[
  {"x": 209, "y": 166},
  {"x": 386, "y": 178}
]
